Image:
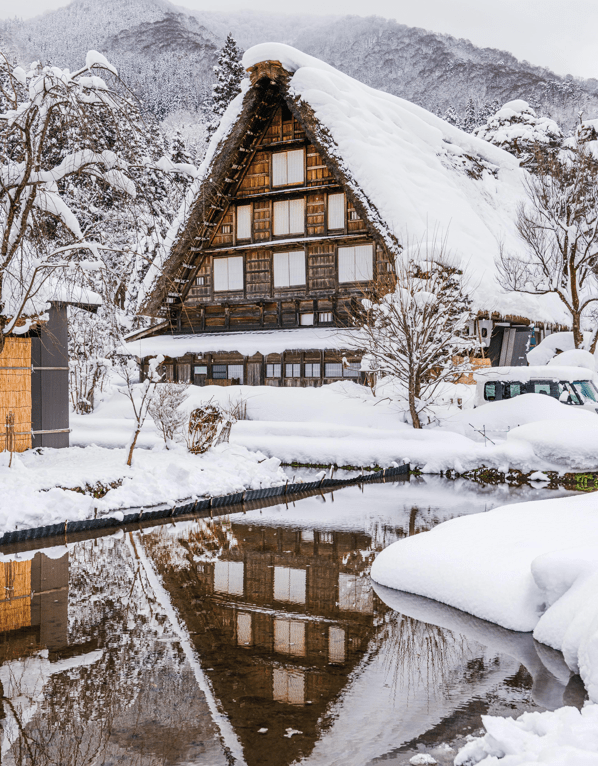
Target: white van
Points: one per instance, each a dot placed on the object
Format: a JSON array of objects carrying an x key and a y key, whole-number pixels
[{"x": 570, "y": 385}]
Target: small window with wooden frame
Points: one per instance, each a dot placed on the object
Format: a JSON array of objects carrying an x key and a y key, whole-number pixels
[
  {"x": 228, "y": 274},
  {"x": 289, "y": 217},
  {"x": 288, "y": 168},
  {"x": 244, "y": 222}
]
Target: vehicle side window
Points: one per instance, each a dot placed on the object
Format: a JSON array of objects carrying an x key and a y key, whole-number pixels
[
  {"x": 512, "y": 389},
  {"x": 490, "y": 390},
  {"x": 540, "y": 387}
]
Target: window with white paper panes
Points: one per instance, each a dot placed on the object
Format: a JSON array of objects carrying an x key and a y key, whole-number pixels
[
  {"x": 289, "y": 217},
  {"x": 292, "y": 370},
  {"x": 356, "y": 264},
  {"x": 306, "y": 320},
  {"x": 288, "y": 168},
  {"x": 325, "y": 317},
  {"x": 289, "y": 269},
  {"x": 273, "y": 370},
  {"x": 336, "y": 211},
  {"x": 244, "y": 222},
  {"x": 312, "y": 369},
  {"x": 228, "y": 273}
]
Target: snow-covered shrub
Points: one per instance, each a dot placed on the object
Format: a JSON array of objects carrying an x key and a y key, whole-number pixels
[
  {"x": 415, "y": 331},
  {"x": 517, "y": 129},
  {"x": 164, "y": 409},
  {"x": 209, "y": 425}
]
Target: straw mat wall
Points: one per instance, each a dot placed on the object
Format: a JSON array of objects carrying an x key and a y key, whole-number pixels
[
  {"x": 15, "y": 595},
  {"x": 15, "y": 390}
]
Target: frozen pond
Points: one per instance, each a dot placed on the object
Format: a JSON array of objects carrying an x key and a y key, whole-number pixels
[{"x": 257, "y": 638}]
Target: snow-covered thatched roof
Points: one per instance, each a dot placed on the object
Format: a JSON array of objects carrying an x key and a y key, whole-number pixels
[{"x": 415, "y": 177}]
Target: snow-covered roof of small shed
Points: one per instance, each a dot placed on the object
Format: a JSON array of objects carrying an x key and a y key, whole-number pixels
[{"x": 417, "y": 176}]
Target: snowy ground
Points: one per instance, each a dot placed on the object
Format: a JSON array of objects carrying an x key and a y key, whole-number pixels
[
  {"x": 39, "y": 489},
  {"x": 341, "y": 424},
  {"x": 527, "y": 567},
  {"x": 344, "y": 424}
]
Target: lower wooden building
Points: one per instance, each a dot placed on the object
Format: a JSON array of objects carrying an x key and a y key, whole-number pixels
[{"x": 267, "y": 358}]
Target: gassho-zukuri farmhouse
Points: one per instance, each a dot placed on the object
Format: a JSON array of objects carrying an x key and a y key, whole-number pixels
[{"x": 311, "y": 185}]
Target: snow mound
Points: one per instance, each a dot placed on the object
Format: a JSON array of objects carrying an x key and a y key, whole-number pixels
[
  {"x": 554, "y": 344},
  {"x": 501, "y": 417},
  {"x": 575, "y": 357},
  {"x": 574, "y": 446},
  {"x": 565, "y": 737},
  {"x": 543, "y": 555}
]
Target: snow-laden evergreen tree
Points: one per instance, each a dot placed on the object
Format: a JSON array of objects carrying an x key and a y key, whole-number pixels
[
  {"x": 415, "y": 332},
  {"x": 516, "y": 128},
  {"x": 451, "y": 117},
  {"x": 229, "y": 72},
  {"x": 470, "y": 119}
]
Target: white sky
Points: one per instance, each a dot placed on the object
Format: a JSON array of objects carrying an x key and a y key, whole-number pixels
[{"x": 560, "y": 34}]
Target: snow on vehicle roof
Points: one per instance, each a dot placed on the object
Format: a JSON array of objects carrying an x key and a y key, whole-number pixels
[
  {"x": 525, "y": 374},
  {"x": 246, "y": 343},
  {"x": 417, "y": 177}
]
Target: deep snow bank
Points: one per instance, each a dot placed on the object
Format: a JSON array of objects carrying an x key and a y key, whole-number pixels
[{"x": 529, "y": 566}]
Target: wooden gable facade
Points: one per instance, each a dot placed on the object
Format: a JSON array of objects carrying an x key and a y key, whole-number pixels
[
  {"x": 274, "y": 241},
  {"x": 289, "y": 248}
]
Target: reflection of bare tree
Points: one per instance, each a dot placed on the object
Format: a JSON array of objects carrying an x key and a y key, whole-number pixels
[
  {"x": 419, "y": 656},
  {"x": 202, "y": 540}
]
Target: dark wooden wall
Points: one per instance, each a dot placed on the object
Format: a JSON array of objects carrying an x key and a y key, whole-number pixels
[{"x": 50, "y": 381}]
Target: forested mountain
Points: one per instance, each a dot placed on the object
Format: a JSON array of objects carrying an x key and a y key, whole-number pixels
[{"x": 166, "y": 53}]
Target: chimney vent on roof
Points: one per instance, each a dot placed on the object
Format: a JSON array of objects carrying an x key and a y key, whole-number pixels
[{"x": 271, "y": 70}]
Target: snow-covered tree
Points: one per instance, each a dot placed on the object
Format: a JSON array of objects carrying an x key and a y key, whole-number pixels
[
  {"x": 451, "y": 116},
  {"x": 415, "y": 332},
  {"x": 48, "y": 137},
  {"x": 470, "y": 119},
  {"x": 559, "y": 228},
  {"x": 229, "y": 72},
  {"x": 517, "y": 129}
]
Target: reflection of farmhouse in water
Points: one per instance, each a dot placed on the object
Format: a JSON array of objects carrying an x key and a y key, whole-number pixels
[{"x": 281, "y": 619}]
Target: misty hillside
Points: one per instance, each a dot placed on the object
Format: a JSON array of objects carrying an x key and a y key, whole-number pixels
[{"x": 166, "y": 53}]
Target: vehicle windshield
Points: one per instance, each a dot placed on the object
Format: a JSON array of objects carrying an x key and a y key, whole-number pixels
[
  {"x": 571, "y": 396},
  {"x": 586, "y": 390}
]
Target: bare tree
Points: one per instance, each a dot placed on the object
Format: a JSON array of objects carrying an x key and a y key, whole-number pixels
[
  {"x": 140, "y": 395},
  {"x": 559, "y": 227},
  {"x": 415, "y": 331}
]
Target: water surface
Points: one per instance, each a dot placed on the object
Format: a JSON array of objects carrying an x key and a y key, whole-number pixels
[{"x": 258, "y": 638}]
